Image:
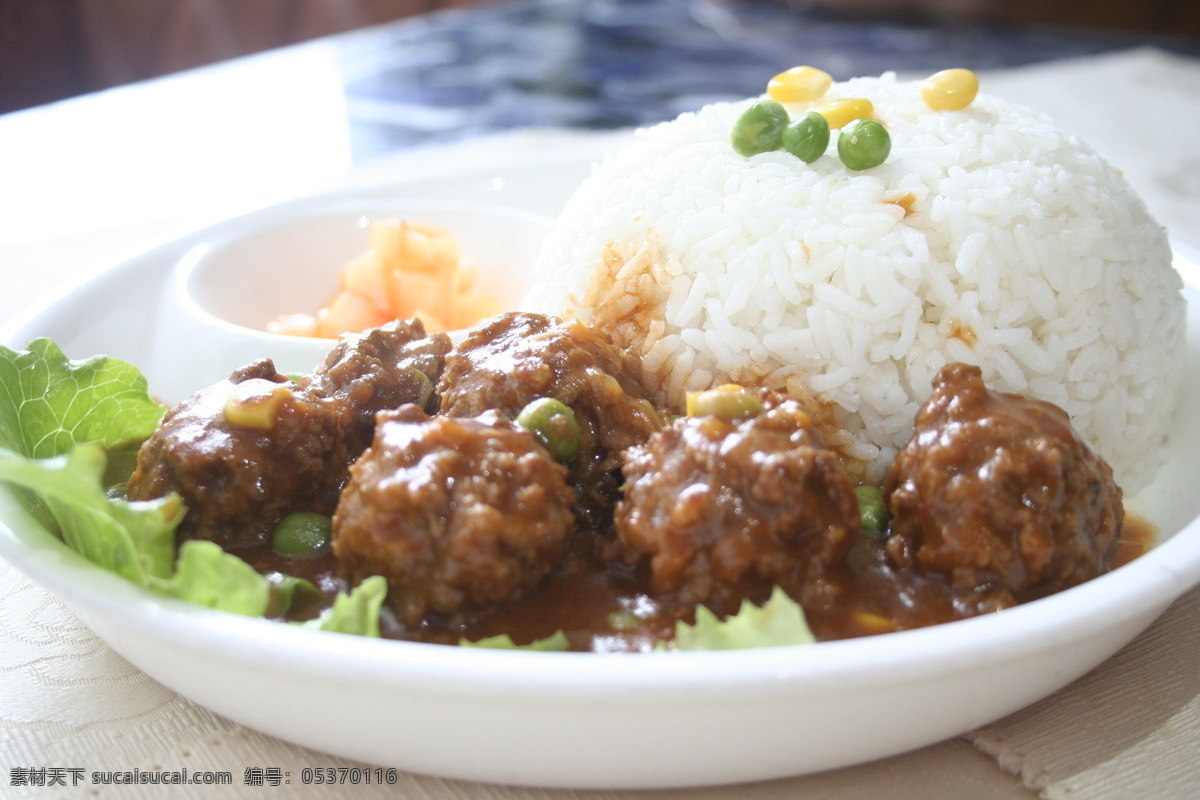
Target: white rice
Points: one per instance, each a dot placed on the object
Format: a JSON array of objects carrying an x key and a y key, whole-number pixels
[{"x": 1024, "y": 253}]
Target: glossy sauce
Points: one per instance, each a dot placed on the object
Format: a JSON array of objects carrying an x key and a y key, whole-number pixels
[{"x": 607, "y": 607}]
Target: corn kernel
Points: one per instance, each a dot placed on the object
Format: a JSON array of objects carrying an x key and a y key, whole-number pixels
[
  {"x": 799, "y": 85},
  {"x": 840, "y": 113},
  {"x": 870, "y": 623},
  {"x": 255, "y": 403},
  {"x": 729, "y": 402},
  {"x": 950, "y": 89}
]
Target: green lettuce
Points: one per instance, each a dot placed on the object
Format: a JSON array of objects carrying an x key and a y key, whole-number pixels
[
  {"x": 58, "y": 418},
  {"x": 284, "y": 590},
  {"x": 556, "y": 641},
  {"x": 356, "y": 612},
  {"x": 133, "y": 539},
  {"x": 776, "y": 623},
  {"x": 208, "y": 576},
  {"x": 49, "y": 403}
]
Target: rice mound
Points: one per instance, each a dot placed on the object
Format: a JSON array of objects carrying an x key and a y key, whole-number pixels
[{"x": 989, "y": 236}]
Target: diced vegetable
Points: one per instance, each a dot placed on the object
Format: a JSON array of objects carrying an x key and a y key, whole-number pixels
[
  {"x": 409, "y": 269},
  {"x": 950, "y": 89},
  {"x": 554, "y": 424},
  {"x": 799, "y": 85},
  {"x": 872, "y": 510},
  {"x": 622, "y": 620},
  {"x": 759, "y": 128},
  {"x": 807, "y": 137},
  {"x": 425, "y": 396},
  {"x": 255, "y": 403},
  {"x": 349, "y": 312},
  {"x": 840, "y": 113},
  {"x": 864, "y": 144},
  {"x": 729, "y": 402},
  {"x": 305, "y": 533},
  {"x": 873, "y": 624}
]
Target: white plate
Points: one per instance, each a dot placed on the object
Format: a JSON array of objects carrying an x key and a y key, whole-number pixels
[{"x": 572, "y": 719}]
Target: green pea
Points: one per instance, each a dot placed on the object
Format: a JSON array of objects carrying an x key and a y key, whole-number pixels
[
  {"x": 863, "y": 144},
  {"x": 304, "y": 533},
  {"x": 553, "y": 423},
  {"x": 871, "y": 509},
  {"x": 759, "y": 128},
  {"x": 807, "y": 137}
]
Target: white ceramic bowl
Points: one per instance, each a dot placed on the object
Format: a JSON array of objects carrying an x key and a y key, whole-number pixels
[
  {"x": 584, "y": 720},
  {"x": 241, "y": 273}
]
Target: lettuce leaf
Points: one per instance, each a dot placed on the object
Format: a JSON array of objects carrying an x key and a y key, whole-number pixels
[
  {"x": 778, "y": 622},
  {"x": 133, "y": 539},
  {"x": 284, "y": 591},
  {"x": 208, "y": 576},
  {"x": 554, "y": 642},
  {"x": 57, "y": 419},
  {"x": 49, "y": 403},
  {"x": 356, "y": 612}
]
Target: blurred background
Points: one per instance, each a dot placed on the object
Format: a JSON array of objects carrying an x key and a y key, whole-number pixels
[{"x": 56, "y": 49}]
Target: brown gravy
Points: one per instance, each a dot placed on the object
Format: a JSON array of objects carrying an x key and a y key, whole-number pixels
[{"x": 607, "y": 607}]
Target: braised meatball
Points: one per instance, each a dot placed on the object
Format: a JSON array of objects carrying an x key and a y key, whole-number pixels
[
  {"x": 242, "y": 454},
  {"x": 997, "y": 493},
  {"x": 724, "y": 511},
  {"x": 382, "y": 368},
  {"x": 456, "y": 513},
  {"x": 520, "y": 357},
  {"x": 239, "y": 474}
]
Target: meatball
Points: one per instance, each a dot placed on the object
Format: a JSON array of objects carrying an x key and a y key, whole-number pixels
[
  {"x": 248, "y": 451},
  {"x": 456, "y": 513},
  {"x": 520, "y": 357},
  {"x": 724, "y": 511},
  {"x": 242, "y": 454},
  {"x": 998, "y": 494},
  {"x": 382, "y": 368}
]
